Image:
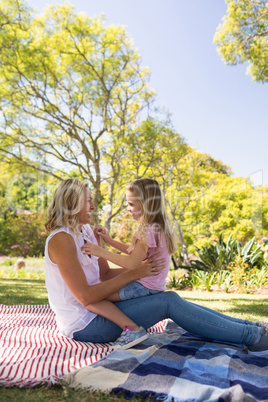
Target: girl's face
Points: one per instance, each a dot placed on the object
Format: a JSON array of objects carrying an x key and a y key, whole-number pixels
[
  {"x": 84, "y": 215},
  {"x": 133, "y": 205}
]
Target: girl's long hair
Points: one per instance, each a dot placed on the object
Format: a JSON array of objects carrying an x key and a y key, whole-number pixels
[
  {"x": 148, "y": 193},
  {"x": 67, "y": 202}
]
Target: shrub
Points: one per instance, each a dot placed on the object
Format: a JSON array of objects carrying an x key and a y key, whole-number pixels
[
  {"x": 219, "y": 255},
  {"x": 238, "y": 278},
  {"x": 244, "y": 279},
  {"x": 22, "y": 234},
  {"x": 178, "y": 278},
  {"x": 8, "y": 262}
]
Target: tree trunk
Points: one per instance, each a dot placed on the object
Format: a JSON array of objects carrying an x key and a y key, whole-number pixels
[
  {"x": 96, "y": 198},
  {"x": 184, "y": 250}
]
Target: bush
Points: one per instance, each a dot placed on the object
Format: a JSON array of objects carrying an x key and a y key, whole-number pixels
[
  {"x": 237, "y": 279},
  {"x": 245, "y": 279},
  {"x": 22, "y": 234},
  {"x": 219, "y": 255},
  {"x": 178, "y": 278},
  {"x": 8, "y": 262}
]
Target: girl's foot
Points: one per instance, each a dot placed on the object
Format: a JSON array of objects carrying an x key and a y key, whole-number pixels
[{"x": 130, "y": 338}]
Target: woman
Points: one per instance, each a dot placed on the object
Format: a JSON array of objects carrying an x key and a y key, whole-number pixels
[{"x": 76, "y": 281}]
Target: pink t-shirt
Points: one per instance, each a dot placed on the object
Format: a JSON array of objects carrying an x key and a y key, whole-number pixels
[{"x": 157, "y": 282}]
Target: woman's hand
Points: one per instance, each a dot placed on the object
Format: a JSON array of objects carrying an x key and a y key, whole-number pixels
[
  {"x": 103, "y": 233},
  {"x": 150, "y": 267},
  {"x": 92, "y": 249}
]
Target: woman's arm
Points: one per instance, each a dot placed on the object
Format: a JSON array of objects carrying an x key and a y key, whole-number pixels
[
  {"x": 62, "y": 251},
  {"x": 131, "y": 261},
  {"x": 106, "y": 272}
]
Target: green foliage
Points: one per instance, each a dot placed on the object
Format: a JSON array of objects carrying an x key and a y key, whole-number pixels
[
  {"x": 22, "y": 234},
  {"x": 260, "y": 277},
  {"x": 237, "y": 279},
  {"x": 23, "y": 273},
  {"x": 203, "y": 279},
  {"x": 23, "y": 203},
  {"x": 243, "y": 36},
  {"x": 72, "y": 89},
  {"x": 216, "y": 256},
  {"x": 73, "y": 96},
  {"x": 265, "y": 254},
  {"x": 8, "y": 262},
  {"x": 244, "y": 278},
  {"x": 251, "y": 253},
  {"x": 178, "y": 279},
  {"x": 34, "y": 268},
  {"x": 222, "y": 278},
  {"x": 228, "y": 205},
  {"x": 219, "y": 255}
]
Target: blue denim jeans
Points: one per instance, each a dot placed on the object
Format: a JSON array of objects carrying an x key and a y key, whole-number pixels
[
  {"x": 147, "y": 311},
  {"x": 135, "y": 289}
]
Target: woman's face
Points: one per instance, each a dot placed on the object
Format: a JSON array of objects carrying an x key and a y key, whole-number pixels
[
  {"x": 133, "y": 205},
  {"x": 84, "y": 215}
]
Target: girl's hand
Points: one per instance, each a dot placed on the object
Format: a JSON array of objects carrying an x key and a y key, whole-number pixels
[
  {"x": 92, "y": 249},
  {"x": 103, "y": 233},
  {"x": 150, "y": 267}
]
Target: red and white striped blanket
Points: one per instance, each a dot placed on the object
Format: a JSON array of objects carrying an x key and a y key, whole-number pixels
[{"x": 32, "y": 352}]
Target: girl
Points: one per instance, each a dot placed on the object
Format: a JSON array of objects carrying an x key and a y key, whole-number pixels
[{"x": 146, "y": 204}]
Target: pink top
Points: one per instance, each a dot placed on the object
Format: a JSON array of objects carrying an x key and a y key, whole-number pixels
[{"x": 157, "y": 282}]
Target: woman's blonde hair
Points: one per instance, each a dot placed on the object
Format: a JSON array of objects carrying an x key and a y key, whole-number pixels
[
  {"x": 151, "y": 199},
  {"x": 67, "y": 202}
]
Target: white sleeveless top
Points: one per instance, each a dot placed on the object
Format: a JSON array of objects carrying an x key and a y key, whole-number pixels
[{"x": 71, "y": 316}]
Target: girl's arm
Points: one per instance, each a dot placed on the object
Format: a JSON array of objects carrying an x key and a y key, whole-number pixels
[
  {"x": 131, "y": 261},
  {"x": 102, "y": 232},
  {"x": 119, "y": 246},
  {"x": 62, "y": 251}
]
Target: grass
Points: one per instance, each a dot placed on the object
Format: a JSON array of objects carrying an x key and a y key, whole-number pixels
[
  {"x": 247, "y": 306},
  {"x": 34, "y": 268},
  {"x": 26, "y": 290},
  {"x": 251, "y": 307},
  {"x": 23, "y": 291},
  {"x": 56, "y": 393}
]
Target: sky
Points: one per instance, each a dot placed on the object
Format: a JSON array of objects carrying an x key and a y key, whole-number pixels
[{"x": 218, "y": 109}]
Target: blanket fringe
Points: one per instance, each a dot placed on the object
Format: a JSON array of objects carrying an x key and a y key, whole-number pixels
[{"x": 30, "y": 383}]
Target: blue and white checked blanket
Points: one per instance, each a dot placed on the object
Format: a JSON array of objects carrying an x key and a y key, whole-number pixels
[{"x": 178, "y": 366}]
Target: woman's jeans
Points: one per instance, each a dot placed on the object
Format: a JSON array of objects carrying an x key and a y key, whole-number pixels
[{"x": 147, "y": 311}]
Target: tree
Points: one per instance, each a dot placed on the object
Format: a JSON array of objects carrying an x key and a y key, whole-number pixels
[
  {"x": 140, "y": 150},
  {"x": 231, "y": 205},
  {"x": 185, "y": 174},
  {"x": 243, "y": 36},
  {"x": 23, "y": 210},
  {"x": 71, "y": 91}
]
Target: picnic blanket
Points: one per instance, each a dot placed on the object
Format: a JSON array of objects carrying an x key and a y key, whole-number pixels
[
  {"x": 32, "y": 352},
  {"x": 178, "y": 366}
]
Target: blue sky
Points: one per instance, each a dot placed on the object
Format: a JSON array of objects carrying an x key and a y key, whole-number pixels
[{"x": 218, "y": 109}]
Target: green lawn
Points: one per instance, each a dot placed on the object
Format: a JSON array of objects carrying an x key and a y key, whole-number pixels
[
  {"x": 248, "y": 306},
  {"x": 23, "y": 291},
  {"x": 33, "y": 291}
]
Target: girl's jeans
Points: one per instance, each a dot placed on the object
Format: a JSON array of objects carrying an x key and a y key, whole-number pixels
[{"x": 147, "y": 311}]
